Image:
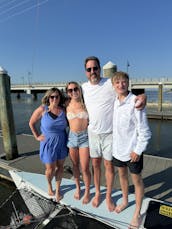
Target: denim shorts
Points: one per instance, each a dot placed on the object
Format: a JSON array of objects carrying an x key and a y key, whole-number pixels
[
  {"x": 78, "y": 140},
  {"x": 100, "y": 145}
]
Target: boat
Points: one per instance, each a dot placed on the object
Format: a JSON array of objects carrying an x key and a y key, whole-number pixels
[{"x": 69, "y": 213}]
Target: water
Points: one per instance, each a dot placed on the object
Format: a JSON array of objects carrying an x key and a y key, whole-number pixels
[
  {"x": 22, "y": 110},
  {"x": 152, "y": 95},
  {"x": 159, "y": 145}
]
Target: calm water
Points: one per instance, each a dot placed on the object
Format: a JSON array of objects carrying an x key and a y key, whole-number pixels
[
  {"x": 152, "y": 95},
  {"x": 159, "y": 145}
]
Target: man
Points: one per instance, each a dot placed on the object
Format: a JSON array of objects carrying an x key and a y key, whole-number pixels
[{"x": 99, "y": 99}]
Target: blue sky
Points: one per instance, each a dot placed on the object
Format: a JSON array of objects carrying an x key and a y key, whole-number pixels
[{"x": 49, "y": 43}]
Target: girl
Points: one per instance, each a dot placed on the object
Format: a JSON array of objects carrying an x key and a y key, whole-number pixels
[{"x": 78, "y": 138}]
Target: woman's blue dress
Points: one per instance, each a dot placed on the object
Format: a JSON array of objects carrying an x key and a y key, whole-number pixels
[{"x": 54, "y": 147}]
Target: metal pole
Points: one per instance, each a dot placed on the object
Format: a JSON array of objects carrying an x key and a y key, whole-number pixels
[
  {"x": 6, "y": 117},
  {"x": 128, "y": 65}
]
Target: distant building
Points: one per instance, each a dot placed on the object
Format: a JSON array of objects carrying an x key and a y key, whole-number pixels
[
  {"x": 2, "y": 70},
  {"x": 109, "y": 69}
]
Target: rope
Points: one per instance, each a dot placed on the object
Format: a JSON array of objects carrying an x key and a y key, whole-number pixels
[
  {"x": 72, "y": 212},
  {"x": 15, "y": 10},
  {"x": 12, "y": 194}
]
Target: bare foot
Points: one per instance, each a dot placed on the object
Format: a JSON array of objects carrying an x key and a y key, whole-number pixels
[
  {"x": 110, "y": 204},
  {"x": 96, "y": 200},
  {"x": 51, "y": 192},
  {"x": 58, "y": 196},
  {"x": 77, "y": 194},
  {"x": 86, "y": 198},
  {"x": 135, "y": 223},
  {"x": 119, "y": 208}
]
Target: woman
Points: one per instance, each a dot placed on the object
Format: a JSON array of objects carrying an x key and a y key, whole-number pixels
[
  {"x": 78, "y": 138},
  {"x": 53, "y": 138}
]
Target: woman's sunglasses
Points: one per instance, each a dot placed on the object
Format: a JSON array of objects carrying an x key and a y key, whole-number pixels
[
  {"x": 54, "y": 96},
  {"x": 70, "y": 90}
]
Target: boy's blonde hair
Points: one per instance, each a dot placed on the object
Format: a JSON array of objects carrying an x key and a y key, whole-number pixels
[{"x": 119, "y": 75}]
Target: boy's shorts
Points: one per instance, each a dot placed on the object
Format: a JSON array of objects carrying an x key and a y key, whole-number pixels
[
  {"x": 78, "y": 140},
  {"x": 100, "y": 145},
  {"x": 134, "y": 167}
]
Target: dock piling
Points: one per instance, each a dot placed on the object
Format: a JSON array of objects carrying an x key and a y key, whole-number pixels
[{"x": 6, "y": 117}]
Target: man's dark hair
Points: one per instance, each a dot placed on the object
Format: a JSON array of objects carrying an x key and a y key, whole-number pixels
[{"x": 92, "y": 58}]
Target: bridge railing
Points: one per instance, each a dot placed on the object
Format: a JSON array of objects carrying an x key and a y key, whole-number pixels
[
  {"x": 41, "y": 84},
  {"x": 153, "y": 80},
  {"x": 159, "y": 94}
]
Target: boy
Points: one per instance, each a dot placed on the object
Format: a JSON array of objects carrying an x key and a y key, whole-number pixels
[{"x": 130, "y": 138}]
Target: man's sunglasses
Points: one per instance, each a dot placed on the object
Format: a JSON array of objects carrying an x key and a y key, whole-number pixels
[
  {"x": 94, "y": 69},
  {"x": 70, "y": 90},
  {"x": 54, "y": 96}
]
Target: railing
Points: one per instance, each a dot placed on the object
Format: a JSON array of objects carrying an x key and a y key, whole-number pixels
[{"x": 133, "y": 81}]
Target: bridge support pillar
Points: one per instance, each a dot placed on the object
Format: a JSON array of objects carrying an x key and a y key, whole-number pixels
[
  {"x": 28, "y": 91},
  {"x": 18, "y": 95},
  {"x": 34, "y": 96}
]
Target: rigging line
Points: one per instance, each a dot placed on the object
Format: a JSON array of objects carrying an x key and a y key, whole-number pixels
[
  {"x": 15, "y": 211},
  {"x": 13, "y": 7},
  {"x": 23, "y": 11},
  {"x": 5, "y": 3},
  {"x": 35, "y": 36}
]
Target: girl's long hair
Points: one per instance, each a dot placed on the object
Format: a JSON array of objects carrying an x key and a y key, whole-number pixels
[{"x": 80, "y": 90}]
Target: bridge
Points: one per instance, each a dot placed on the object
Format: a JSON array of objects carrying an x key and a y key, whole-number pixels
[
  {"x": 142, "y": 84},
  {"x": 36, "y": 88},
  {"x": 136, "y": 85},
  {"x": 151, "y": 83}
]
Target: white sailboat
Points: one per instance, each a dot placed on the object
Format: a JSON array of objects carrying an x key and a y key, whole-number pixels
[{"x": 37, "y": 183}]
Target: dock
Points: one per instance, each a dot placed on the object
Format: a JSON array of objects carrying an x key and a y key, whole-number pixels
[
  {"x": 159, "y": 115},
  {"x": 156, "y": 173}
]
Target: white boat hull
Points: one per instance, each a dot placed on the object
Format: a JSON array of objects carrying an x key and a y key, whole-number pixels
[{"x": 37, "y": 183}]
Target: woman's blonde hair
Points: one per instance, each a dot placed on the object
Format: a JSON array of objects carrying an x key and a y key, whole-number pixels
[
  {"x": 45, "y": 99},
  {"x": 80, "y": 90}
]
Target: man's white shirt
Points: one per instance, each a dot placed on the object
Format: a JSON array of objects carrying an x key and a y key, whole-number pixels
[{"x": 99, "y": 100}]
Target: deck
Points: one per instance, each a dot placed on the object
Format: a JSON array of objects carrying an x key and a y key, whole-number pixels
[{"x": 156, "y": 174}]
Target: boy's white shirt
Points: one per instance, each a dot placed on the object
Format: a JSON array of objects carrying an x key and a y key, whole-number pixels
[{"x": 131, "y": 131}]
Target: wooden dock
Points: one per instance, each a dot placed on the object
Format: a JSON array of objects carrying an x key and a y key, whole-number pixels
[
  {"x": 159, "y": 115},
  {"x": 156, "y": 174}
]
